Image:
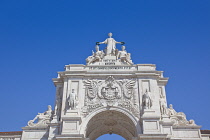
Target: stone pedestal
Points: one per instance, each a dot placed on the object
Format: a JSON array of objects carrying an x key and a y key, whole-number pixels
[
  {"x": 53, "y": 130},
  {"x": 71, "y": 122},
  {"x": 153, "y": 137},
  {"x": 150, "y": 121},
  {"x": 166, "y": 125},
  {"x": 186, "y": 132},
  {"x": 35, "y": 133},
  {"x": 71, "y": 137},
  {"x": 72, "y": 113}
]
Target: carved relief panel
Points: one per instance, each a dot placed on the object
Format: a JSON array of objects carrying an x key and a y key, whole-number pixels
[{"x": 110, "y": 92}]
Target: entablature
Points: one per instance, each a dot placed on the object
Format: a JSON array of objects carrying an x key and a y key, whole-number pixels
[{"x": 146, "y": 71}]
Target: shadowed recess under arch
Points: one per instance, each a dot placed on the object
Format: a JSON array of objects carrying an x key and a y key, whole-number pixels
[{"x": 108, "y": 122}]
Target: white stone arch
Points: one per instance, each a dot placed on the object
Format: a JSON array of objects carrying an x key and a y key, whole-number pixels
[{"x": 116, "y": 111}]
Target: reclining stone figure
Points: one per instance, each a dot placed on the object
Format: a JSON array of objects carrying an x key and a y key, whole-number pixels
[
  {"x": 179, "y": 118},
  {"x": 42, "y": 118}
]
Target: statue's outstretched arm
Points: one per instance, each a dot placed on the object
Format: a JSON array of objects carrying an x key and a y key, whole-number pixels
[
  {"x": 104, "y": 42},
  {"x": 122, "y": 43}
]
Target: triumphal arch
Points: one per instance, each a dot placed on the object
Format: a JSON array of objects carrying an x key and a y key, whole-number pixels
[{"x": 111, "y": 94}]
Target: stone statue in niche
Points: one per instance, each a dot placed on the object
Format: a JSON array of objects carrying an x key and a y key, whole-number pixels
[
  {"x": 58, "y": 103},
  {"x": 72, "y": 100},
  {"x": 42, "y": 118},
  {"x": 124, "y": 56},
  {"x": 111, "y": 45},
  {"x": 163, "y": 106},
  {"x": 96, "y": 56},
  {"x": 147, "y": 101}
]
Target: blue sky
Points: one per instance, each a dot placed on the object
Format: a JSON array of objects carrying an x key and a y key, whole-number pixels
[{"x": 37, "y": 38}]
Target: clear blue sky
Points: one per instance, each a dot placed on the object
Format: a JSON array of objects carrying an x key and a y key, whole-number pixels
[{"x": 37, "y": 38}]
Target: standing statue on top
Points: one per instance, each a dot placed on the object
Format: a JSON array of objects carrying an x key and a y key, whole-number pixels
[
  {"x": 111, "y": 55},
  {"x": 111, "y": 45}
]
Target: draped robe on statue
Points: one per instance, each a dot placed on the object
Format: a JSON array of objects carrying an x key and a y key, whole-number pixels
[{"x": 111, "y": 45}]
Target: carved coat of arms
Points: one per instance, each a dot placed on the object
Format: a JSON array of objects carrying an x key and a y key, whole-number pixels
[{"x": 109, "y": 92}]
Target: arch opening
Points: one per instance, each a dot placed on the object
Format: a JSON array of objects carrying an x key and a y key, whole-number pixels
[
  {"x": 110, "y": 122},
  {"x": 110, "y": 137}
]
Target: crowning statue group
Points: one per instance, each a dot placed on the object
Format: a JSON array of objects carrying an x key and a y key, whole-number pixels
[{"x": 110, "y": 50}]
